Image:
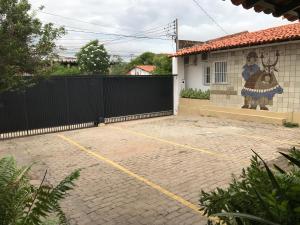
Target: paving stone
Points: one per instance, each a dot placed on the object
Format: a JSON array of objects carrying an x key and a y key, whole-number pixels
[{"x": 105, "y": 195}]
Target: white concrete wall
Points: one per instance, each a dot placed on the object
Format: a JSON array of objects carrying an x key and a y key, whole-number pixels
[
  {"x": 179, "y": 82},
  {"x": 194, "y": 74},
  {"x": 288, "y": 76},
  {"x": 138, "y": 71}
]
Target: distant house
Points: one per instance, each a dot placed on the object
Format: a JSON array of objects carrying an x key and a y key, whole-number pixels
[
  {"x": 66, "y": 61},
  {"x": 142, "y": 70}
]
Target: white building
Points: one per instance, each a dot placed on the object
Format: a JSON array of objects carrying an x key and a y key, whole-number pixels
[
  {"x": 142, "y": 70},
  {"x": 249, "y": 70}
]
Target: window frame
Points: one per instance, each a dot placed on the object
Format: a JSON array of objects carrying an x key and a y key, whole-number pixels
[
  {"x": 186, "y": 60},
  {"x": 206, "y": 75},
  {"x": 222, "y": 70}
]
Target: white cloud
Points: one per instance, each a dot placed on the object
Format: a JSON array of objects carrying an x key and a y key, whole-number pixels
[{"x": 132, "y": 16}]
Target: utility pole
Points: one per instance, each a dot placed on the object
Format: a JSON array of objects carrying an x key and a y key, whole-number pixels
[{"x": 176, "y": 34}]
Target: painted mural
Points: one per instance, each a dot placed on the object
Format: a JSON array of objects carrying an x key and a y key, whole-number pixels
[{"x": 260, "y": 85}]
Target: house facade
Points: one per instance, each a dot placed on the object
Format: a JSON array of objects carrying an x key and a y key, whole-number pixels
[
  {"x": 249, "y": 70},
  {"x": 142, "y": 70}
]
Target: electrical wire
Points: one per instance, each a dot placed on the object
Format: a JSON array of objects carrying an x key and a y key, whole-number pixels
[
  {"x": 209, "y": 16},
  {"x": 151, "y": 30}
]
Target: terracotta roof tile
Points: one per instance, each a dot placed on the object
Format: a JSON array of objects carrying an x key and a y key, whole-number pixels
[
  {"x": 243, "y": 39},
  {"x": 276, "y": 7},
  {"x": 147, "y": 68}
]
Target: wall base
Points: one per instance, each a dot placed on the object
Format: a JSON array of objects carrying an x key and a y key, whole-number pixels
[{"x": 206, "y": 108}]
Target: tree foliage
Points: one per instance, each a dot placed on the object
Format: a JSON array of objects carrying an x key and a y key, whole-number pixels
[
  {"x": 162, "y": 63},
  {"x": 147, "y": 58},
  {"x": 58, "y": 69},
  {"x": 261, "y": 195},
  {"x": 118, "y": 66},
  {"x": 26, "y": 44},
  {"x": 23, "y": 203},
  {"x": 93, "y": 58}
]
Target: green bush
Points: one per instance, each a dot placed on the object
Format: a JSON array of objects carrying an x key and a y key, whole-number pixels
[
  {"x": 194, "y": 93},
  {"x": 64, "y": 70},
  {"x": 259, "y": 196},
  {"x": 23, "y": 203},
  {"x": 290, "y": 124}
]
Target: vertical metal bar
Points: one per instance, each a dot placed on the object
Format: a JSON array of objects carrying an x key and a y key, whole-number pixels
[
  {"x": 222, "y": 71},
  {"x": 226, "y": 74},
  {"x": 67, "y": 101},
  {"x": 25, "y": 111},
  {"x": 102, "y": 115}
]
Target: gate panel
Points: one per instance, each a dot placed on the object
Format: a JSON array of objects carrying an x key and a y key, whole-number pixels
[
  {"x": 12, "y": 112},
  {"x": 46, "y": 104},
  {"x": 85, "y": 99},
  {"x": 128, "y": 95},
  {"x": 68, "y": 102}
]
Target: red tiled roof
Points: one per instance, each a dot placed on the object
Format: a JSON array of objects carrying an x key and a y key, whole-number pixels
[
  {"x": 243, "y": 39},
  {"x": 147, "y": 68}
]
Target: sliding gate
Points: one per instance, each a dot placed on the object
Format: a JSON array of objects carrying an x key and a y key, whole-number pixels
[{"x": 70, "y": 102}]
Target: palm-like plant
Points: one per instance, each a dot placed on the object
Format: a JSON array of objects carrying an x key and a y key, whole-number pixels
[
  {"x": 21, "y": 203},
  {"x": 260, "y": 196}
]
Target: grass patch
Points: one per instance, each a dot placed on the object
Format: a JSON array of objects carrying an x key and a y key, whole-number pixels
[{"x": 194, "y": 93}]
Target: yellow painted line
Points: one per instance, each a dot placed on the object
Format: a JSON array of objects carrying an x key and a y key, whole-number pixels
[
  {"x": 140, "y": 178},
  {"x": 268, "y": 139},
  {"x": 169, "y": 142}
]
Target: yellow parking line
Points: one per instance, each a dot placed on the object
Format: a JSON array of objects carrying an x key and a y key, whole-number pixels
[
  {"x": 169, "y": 142},
  {"x": 140, "y": 178}
]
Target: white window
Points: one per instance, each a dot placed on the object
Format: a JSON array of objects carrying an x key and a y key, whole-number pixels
[
  {"x": 206, "y": 75},
  {"x": 220, "y": 72}
]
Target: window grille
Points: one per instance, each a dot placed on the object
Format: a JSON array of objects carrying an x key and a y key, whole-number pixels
[
  {"x": 206, "y": 75},
  {"x": 220, "y": 72}
]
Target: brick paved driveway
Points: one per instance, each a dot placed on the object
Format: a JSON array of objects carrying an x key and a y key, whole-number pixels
[{"x": 148, "y": 171}]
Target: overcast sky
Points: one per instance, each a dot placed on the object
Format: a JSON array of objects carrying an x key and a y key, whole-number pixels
[{"x": 136, "y": 16}]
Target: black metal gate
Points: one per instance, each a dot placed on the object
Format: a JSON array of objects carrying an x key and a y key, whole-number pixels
[{"x": 71, "y": 102}]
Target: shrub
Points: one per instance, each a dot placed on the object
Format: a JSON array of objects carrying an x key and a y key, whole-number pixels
[
  {"x": 259, "y": 196},
  {"x": 64, "y": 70},
  {"x": 22, "y": 203},
  {"x": 290, "y": 124},
  {"x": 194, "y": 93}
]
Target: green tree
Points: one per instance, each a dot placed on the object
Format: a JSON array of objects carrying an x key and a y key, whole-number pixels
[
  {"x": 93, "y": 58},
  {"x": 26, "y": 44},
  {"x": 163, "y": 64},
  {"x": 118, "y": 66},
  {"x": 147, "y": 58}
]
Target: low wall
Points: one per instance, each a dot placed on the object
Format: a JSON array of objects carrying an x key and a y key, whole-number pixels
[{"x": 199, "y": 107}]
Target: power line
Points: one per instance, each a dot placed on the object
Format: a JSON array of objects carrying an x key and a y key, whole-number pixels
[
  {"x": 158, "y": 35},
  {"x": 78, "y": 20},
  {"x": 115, "y": 34},
  {"x": 209, "y": 16},
  {"x": 152, "y": 33}
]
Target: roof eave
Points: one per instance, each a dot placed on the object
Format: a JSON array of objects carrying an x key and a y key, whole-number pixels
[{"x": 239, "y": 46}]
